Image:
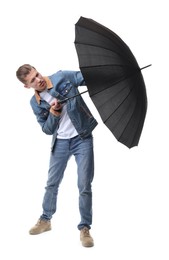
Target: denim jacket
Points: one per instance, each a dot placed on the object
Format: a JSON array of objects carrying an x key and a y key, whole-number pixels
[{"x": 61, "y": 85}]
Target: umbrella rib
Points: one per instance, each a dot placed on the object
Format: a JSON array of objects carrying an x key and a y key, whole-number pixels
[
  {"x": 108, "y": 65},
  {"x": 127, "y": 125},
  {"x": 102, "y": 47},
  {"x": 98, "y": 46},
  {"x": 118, "y": 81},
  {"x": 130, "y": 116},
  {"x": 118, "y": 105},
  {"x": 103, "y": 34}
]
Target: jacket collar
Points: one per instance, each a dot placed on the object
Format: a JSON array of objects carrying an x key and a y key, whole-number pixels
[{"x": 49, "y": 86}]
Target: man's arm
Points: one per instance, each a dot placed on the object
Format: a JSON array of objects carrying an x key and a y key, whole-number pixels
[
  {"x": 48, "y": 119},
  {"x": 75, "y": 77}
]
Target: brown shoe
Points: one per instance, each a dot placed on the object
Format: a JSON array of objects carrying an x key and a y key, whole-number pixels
[
  {"x": 40, "y": 227},
  {"x": 85, "y": 237}
]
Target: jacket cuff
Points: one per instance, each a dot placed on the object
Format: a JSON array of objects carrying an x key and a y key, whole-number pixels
[{"x": 55, "y": 112}]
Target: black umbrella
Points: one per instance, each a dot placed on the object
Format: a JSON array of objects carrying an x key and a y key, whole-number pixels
[{"x": 113, "y": 78}]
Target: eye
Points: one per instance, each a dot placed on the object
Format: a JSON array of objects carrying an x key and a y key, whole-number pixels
[{"x": 32, "y": 80}]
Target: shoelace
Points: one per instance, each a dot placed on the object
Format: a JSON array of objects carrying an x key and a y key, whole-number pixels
[{"x": 86, "y": 232}]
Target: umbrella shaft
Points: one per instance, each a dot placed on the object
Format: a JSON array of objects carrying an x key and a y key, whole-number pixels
[{"x": 66, "y": 99}]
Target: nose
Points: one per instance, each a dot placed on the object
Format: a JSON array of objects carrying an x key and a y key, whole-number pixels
[{"x": 38, "y": 79}]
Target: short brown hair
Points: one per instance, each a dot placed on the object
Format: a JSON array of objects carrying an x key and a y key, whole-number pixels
[{"x": 23, "y": 71}]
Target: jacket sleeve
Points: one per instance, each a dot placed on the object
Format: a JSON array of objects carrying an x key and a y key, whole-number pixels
[
  {"x": 47, "y": 118},
  {"x": 75, "y": 77}
]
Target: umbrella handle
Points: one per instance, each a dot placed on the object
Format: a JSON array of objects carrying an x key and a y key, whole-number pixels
[{"x": 66, "y": 99}]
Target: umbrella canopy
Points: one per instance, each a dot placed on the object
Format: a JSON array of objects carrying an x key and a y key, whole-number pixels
[{"x": 113, "y": 78}]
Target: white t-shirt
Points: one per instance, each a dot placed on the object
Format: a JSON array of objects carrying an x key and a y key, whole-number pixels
[{"x": 66, "y": 129}]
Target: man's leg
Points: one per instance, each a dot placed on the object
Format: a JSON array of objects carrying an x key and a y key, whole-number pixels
[
  {"x": 83, "y": 151},
  {"x": 58, "y": 161}
]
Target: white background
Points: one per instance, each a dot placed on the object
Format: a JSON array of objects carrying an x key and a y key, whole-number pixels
[{"x": 130, "y": 189}]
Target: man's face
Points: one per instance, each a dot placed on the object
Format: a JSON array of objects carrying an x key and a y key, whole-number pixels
[{"x": 35, "y": 80}]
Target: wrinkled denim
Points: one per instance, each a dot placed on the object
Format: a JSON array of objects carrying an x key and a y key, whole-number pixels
[{"x": 82, "y": 149}]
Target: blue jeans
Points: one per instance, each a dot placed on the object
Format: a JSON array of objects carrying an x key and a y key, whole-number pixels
[{"x": 82, "y": 149}]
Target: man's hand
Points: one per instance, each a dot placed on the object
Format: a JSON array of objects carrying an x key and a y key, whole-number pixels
[{"x": 55, "y": 105}]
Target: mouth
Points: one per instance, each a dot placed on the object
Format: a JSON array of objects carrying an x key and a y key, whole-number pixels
[{"x": 42, "y": 84}]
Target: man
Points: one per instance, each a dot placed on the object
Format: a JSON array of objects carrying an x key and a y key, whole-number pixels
[{"x": 71, "y": 125}]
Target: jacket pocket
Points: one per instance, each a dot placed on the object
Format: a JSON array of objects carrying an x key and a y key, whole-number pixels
[{"x": 65, "y": 88}]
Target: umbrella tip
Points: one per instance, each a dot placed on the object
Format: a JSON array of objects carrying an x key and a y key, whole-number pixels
[{"x": 146, "y": 66}]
